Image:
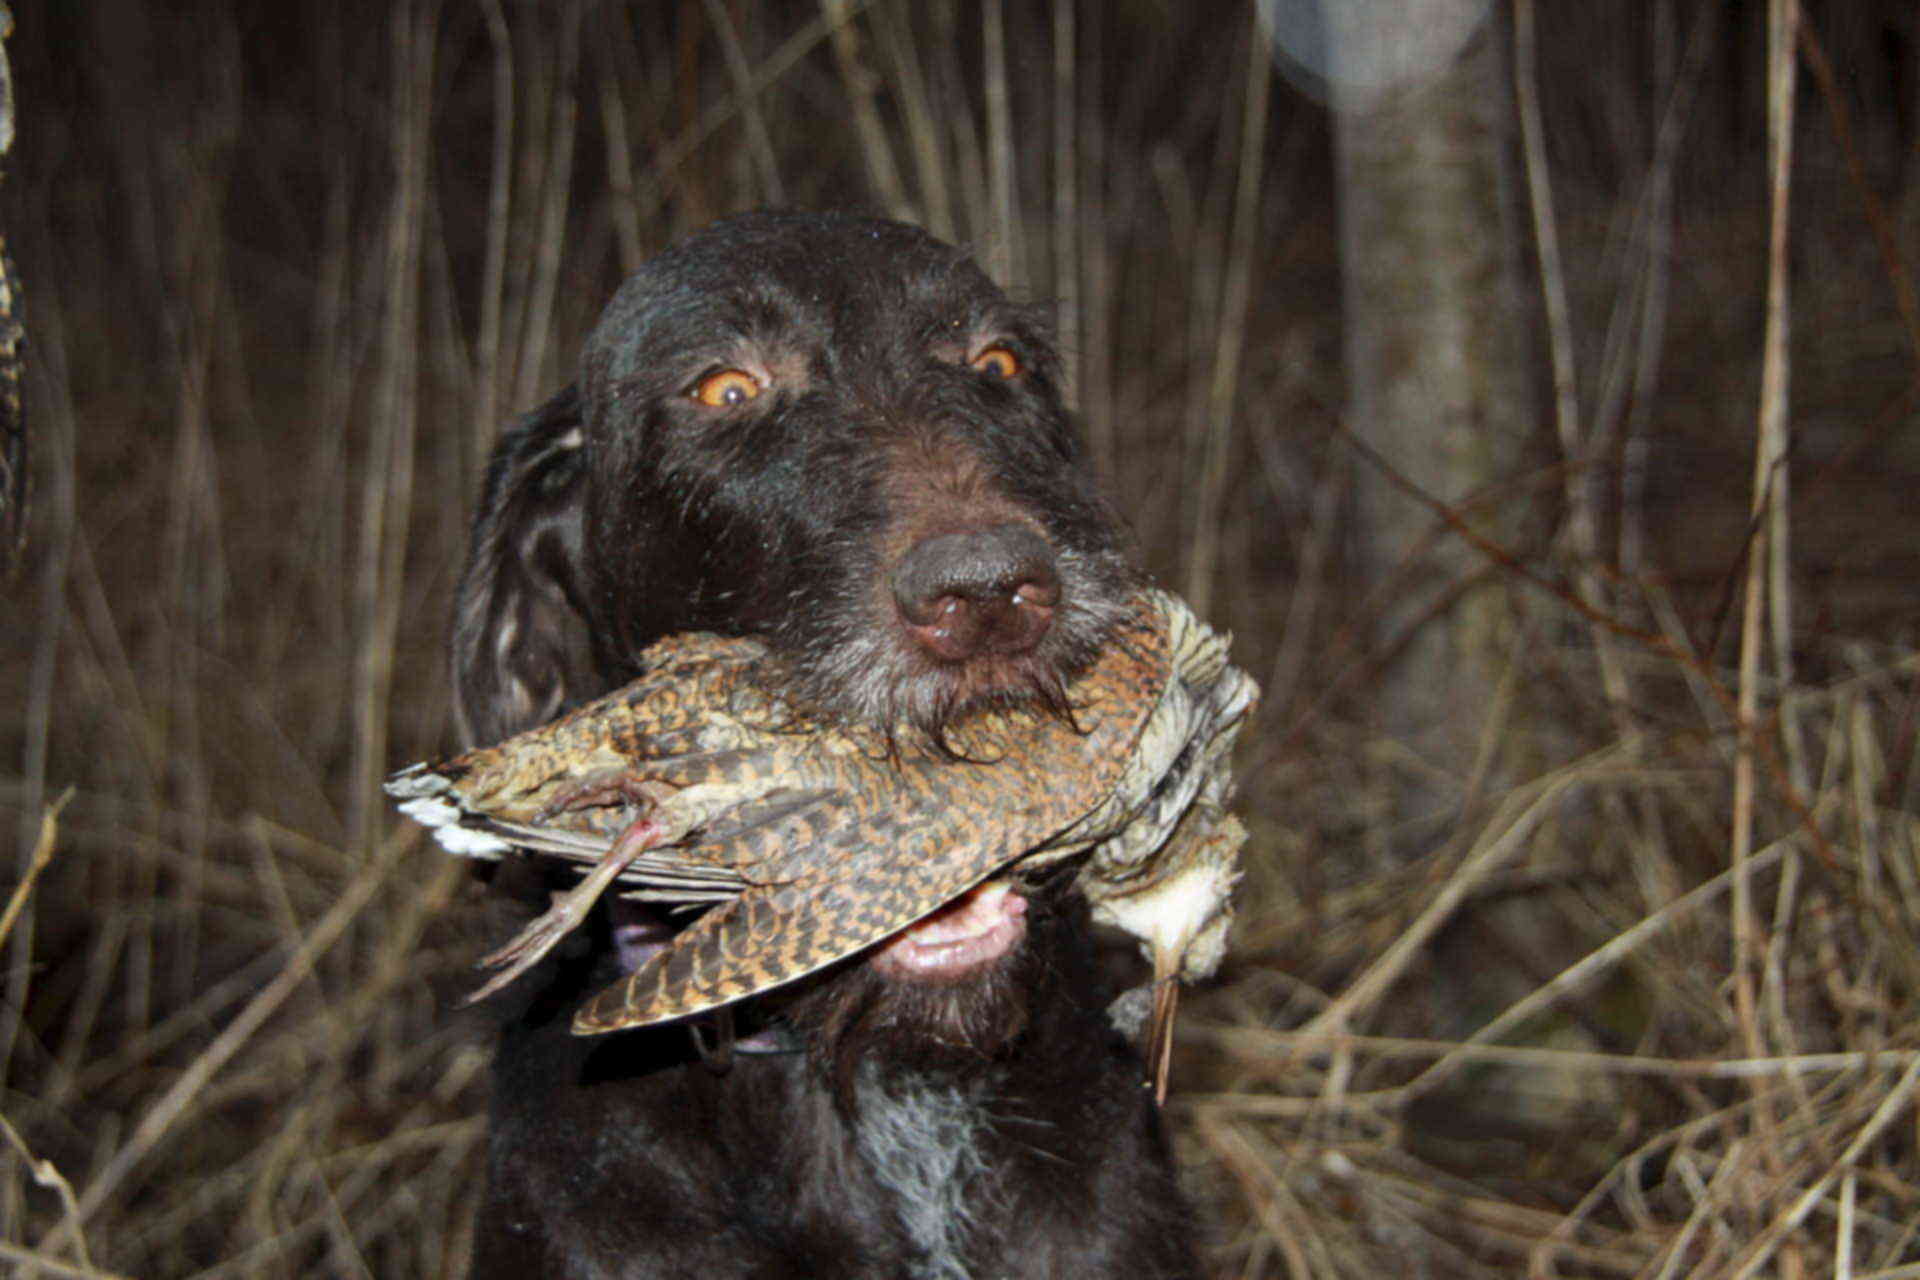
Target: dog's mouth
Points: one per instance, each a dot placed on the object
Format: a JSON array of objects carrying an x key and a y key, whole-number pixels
[
  {"x": 958, "y": 941},
  {"x": 953, "y": 945}
]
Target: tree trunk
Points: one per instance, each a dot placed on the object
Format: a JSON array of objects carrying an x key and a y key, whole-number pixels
[{"x": 1436, "y": 347}]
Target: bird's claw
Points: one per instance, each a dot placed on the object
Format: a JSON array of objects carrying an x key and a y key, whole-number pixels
[{"x": 605, "y": 787}]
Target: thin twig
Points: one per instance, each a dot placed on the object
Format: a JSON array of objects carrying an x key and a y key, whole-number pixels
[
  {"x": 1583, "y": 521},
  {"x": 1886, "y": 235},
  {"x": 1005, "y": 262},
  {"x": 862, "y": 90},
  {"x": 908, "y": 81},
  {"x": 47, "y": 1174},
  {"x": 1534, "y": 803},
  {"x": 493, "y": 277},
  {"x": 172, "y": 1105},
  {"x": 1896, "y": 1102},
  {"x": 1656, "y": 643},
  {"x": 759, "y": 140},
  {"x": 1267, "y": 1045},
  {"x": 1230, "y": 328},
  {"x": 1583, "y": 972},
  {"x": 1769, "y": 475},
  {"x": 536, "y": 331},
  {"x": 29, "y": 1260},
  {"x": 387, "y": 493},
  {"x": 42, "y": 855},
  {"x": 1066, "y": 213}
]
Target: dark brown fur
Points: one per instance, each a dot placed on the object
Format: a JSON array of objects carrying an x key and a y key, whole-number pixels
[{"x": 995, "y": 1126}]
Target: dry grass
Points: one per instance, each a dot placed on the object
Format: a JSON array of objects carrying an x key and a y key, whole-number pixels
[{"x": 1615, "y": 1015}]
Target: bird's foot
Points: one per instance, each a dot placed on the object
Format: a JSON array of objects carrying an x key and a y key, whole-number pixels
[{"x": 605, "y": 788}]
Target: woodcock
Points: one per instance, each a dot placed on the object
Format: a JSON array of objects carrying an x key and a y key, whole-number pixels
[{"x": 699, "y": 784}]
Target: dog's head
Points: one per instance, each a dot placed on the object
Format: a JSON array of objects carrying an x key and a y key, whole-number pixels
[{"x": 832, "y": 433}]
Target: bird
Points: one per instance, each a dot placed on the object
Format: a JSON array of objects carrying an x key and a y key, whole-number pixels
[
  {"x": 1167, "y": 872},
  {"x": 703, "y": 784}
]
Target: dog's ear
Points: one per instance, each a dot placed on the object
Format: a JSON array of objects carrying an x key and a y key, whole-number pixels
[{"x": 520, "y": 643}]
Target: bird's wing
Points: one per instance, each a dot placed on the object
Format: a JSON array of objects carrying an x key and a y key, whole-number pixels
[
  {"x": 696, "y": 699},
  {"x": 893, "y": 838},
  {"x": 771, "y": 935}
]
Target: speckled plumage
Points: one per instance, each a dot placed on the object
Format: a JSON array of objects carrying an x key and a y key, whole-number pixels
[{"x": 815, "y": 841}]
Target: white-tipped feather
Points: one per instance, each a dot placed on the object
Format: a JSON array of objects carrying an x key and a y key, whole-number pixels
[
  {"x": 417, "y": 780},
  {"x": 442, "y": 817},
  {"x": 469, "y": 843}
]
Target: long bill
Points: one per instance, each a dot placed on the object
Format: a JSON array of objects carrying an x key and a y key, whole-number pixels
[{"x": 1166, "y": 999}]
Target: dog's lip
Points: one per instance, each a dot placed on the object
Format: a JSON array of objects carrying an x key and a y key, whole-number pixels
[{"x": 963, "y": 936}]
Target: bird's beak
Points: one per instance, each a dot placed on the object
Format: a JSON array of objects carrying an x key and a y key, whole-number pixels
[{"x": 1166, "y": 997}]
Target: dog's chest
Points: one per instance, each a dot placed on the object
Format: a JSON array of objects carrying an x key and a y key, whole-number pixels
[{"x": 922, "y": 1141}]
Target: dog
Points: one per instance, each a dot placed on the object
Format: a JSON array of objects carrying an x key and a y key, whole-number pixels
[{"x": 834, "y": 434}]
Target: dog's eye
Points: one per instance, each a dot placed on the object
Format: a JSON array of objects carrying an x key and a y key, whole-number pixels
[
  {"x": 997, "y": 361},
  {"x": 727, "y": 389}
]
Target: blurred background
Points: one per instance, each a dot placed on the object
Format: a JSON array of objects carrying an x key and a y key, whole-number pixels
[{"x": 1533, "y": 389}]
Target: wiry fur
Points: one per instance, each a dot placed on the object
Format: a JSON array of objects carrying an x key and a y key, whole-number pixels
[
  {"x": 993, "y": 1125},
  {"x": 921, "y": 1138}
]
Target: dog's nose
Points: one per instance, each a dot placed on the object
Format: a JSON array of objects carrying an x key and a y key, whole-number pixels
[{"x": 979, "y": 591}]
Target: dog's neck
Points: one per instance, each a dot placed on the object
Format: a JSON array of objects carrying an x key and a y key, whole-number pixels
[{"x": 920, "y": 1135}]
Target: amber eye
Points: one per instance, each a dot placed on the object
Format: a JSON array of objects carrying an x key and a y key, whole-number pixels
[
  {"x": 997, "y": 361},
  {"x": 727, "y": 389}
]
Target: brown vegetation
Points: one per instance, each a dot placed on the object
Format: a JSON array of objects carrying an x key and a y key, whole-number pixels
[{"x": 1647, "y": 1010}]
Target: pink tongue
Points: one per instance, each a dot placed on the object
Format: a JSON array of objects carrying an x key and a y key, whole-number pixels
[
  {"x": 978, "y": 911},
  {"x": 981, "y": 926}
]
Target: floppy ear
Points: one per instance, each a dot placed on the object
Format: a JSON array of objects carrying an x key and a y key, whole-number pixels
[{"x": 521, "y": 648}]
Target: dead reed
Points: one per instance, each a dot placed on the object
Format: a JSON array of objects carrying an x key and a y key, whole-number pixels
[{"x": 1640, "y": 1003}]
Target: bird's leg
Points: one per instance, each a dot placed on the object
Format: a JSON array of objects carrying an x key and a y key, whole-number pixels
[{"x": 567, "y": 912}]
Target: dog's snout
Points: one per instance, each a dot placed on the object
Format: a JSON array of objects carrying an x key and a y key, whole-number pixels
[{"x": 978, "y": 591}]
